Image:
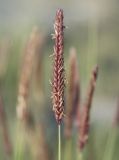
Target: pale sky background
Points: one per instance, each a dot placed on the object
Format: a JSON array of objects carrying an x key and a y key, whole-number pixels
[{"x": 15, "y": 13}]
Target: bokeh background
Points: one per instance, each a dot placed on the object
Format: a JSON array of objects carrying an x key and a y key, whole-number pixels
[{"x": 92, "y": 28}]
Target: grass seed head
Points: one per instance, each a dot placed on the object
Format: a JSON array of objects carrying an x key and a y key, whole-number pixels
[
  {"x": 26, "y": 71},
  {"x": 58, "y": 70},
  {"x": 85, "y": 115},
  {"x": 73, "y": 93}
]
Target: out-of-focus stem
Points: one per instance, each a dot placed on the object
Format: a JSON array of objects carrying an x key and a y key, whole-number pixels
[
  {"x": 19, "y": 143},
  {"x": 68, "y": 149},
  {"x": 110, "y": 145},
  {"x": 6, "y": 138}
]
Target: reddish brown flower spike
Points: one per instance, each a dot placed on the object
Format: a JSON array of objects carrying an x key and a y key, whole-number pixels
[
  {"x": 73, "y": 94},
  {"x": 58, "y": 70},
  {"x": 85, "y": 117}
]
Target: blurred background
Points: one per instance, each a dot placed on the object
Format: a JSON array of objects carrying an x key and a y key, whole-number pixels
[{"x": 92, "y": 28}]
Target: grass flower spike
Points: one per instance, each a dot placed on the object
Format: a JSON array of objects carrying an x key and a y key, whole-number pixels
[
  {"x": 73, "y": 93},
  {"x": 25, "y": 77},
  {"x": 85, "y": 115},
  {"x": 58, "y": 83},
  {"x": 58, "y": 72}
]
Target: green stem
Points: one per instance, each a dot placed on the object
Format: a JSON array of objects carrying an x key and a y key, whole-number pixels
[
  {"x": 109, "y": 151},
  {"x": 59, "y": 142},
  {"x": 68, "y": 150},
  {"x": 79, "y": 155},
  {"x": 19, "y": 145}
]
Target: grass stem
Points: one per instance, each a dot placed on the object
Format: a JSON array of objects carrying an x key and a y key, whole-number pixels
[
  {"x": 68, "y": 150},
  {"x": 59, "y": 142}
]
